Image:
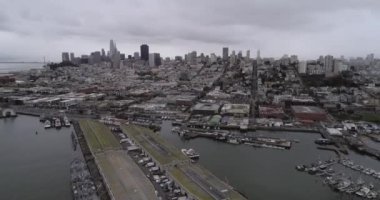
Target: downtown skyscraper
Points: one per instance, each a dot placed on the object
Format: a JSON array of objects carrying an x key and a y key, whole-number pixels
[
  {"x": 144, "y": 52},
  {"x": 225, "y": 53}
]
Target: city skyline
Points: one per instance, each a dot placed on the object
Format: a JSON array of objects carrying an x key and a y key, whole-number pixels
[{"x": 31, "y": 32}]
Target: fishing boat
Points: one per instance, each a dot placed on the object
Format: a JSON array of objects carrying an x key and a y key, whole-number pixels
[
  {"x": 47, "y": 124},
  {"x": 190, "y": 153},
  {"x": 57, "y": 123},
  {"x": 66, "y": 121}
]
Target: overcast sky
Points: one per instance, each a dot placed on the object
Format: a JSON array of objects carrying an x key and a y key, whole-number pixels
[{"x": 32, "y": 29}]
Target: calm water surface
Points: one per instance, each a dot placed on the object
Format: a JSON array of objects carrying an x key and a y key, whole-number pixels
[
  {"x": 12, "y": 67},
  {"x": 261, "y": 173},
  {"x": 34, "y": 166}
]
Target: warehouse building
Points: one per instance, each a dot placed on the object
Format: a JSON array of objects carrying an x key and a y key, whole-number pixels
[{"x": 309, "y": 113}]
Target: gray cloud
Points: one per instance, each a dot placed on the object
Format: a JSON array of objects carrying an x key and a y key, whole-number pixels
[{"x": 33, "y": 29}]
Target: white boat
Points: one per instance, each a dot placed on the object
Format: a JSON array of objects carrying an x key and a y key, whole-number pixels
[
  {"x": 190, "y": 153},
  {"x": 66, "y": 121},
  {"x": 233, "y": 141},
  {"x": 57, "y": 123},
  {"x": 47, "y": 124}
]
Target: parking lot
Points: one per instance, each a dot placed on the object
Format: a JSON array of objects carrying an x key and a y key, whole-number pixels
[{"x": 164, "y": 186}]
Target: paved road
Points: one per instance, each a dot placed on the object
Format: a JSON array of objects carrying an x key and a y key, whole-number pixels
[{"x": 124, "y": 177}]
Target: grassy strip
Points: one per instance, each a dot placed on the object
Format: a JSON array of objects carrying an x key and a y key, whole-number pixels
[{"x": 98, "y": 136}]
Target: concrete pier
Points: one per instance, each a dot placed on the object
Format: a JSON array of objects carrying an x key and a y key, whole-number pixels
[{"x": 198, "y": 182}]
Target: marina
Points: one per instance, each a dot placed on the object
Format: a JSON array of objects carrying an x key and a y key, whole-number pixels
[
  {"x": 240, "y": 160},
  {"x": 338, "y": 181},
  {"x": 55, "y": 121},
  {"x": 236, "y": 138}
]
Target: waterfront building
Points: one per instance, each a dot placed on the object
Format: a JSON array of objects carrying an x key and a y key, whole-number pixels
[{"x": 309, "y": 113}]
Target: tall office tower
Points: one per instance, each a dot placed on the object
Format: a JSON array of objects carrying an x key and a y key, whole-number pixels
[
  {"x": 113, "y": 48},
  {"x": 202, "y": 57},
  {"x": 72, "y": 57},
  {"x": 144, "y": 52},
  {"x": 233, "y": 58},
  {"x": 151, "y": 60},
  {"x": 191, "y": 58},
  {"x": 329, "y": 65},
  {"x": 293, "y": 59},
  {"x": 178, "y": 58},
  {"x": 240, "y": 54},
  {"x": 65, "y": 57},
  {"x": 225, "y": 53},
  {"x": 95, "y": 57},
  {"x": 302, "y": 65},
  {"x": 321, "y": 60},
  {"x": 213, "y": 58},
  {"x": 115, "y": 60},
  {"x": 136, "y": 56},
  {"x": 157, "y": 59},
  {"x": 248, "y": 56},
  {"x": 103, "y": 53},
  {"x": 258, "y": 58},
  {"x": 370, "y": 58}
]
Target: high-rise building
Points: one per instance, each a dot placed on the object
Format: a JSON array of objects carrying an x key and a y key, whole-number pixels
[
  {"x": 157, "y": 59},
  {"x": 151, "y": 60},
  {"x": 302, "y": 65},
  {"x": 225, "y": 53},
  {"x": 213, "y": 58},
  {"x": 65, "y": 57},
  {"x": 191, "y": 58},
  {"x": 144, "y": 52},
  {"x": 233, "y": 57},
  {"x": 113, "y": 48},
  {"x": 293, "y": 59},
  {"x": 240, "y": 54},
  {"x": 72, "y": 57},
  {"x": 115, "y": 60},
  {"x": 103, "y": 54},
  {"x": 136, "y": 56},
  {"x": 248, "y": 56},
  {"x": 178, "y": 58},
  {"x": 370, "y": 58},
  {"x": 258, "y": 58},
  {"x": 95, "y": 57},
  {"x": 329, "y": 65}
]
